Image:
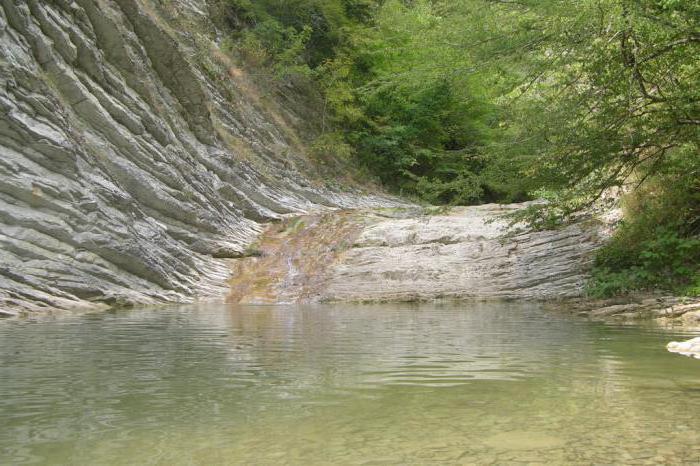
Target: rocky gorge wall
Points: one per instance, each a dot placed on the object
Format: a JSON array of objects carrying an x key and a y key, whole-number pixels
[
  {"x": 139, "y": 163},
  {"x": 134, "y": 156}
]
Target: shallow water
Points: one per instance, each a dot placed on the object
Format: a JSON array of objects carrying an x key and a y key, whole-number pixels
[{"x": 344, "y": 384}]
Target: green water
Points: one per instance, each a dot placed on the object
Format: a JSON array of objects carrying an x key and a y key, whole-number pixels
[{"x": 344, "y": 384}]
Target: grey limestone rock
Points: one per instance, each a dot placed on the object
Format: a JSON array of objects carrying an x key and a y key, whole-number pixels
[
  {"x": 463, "y": 254},
  {"x": 120, "y": 182},
  {"x": 690, "y": 348},
  {"x": 416, "y": 255}
]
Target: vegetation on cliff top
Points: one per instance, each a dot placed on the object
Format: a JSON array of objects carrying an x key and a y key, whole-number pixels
[{"x": 468, "y": 101}]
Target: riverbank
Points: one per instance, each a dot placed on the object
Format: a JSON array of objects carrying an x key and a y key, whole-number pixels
[
  {"x": 673, "y": 311},
  {"x": 427, "y": 254}
]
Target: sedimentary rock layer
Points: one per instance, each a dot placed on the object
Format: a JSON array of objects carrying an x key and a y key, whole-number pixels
[
  {"x": 464, "y": 254},
  {"x": 133, "y": 157},
  {"x": 414, "y": 254}
]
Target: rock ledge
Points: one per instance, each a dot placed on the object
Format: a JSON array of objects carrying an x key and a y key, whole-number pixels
[{"x": 415, "y": 254}]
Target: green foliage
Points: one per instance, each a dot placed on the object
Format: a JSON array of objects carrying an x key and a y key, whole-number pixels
[
  {"x": 330, "y": 147},
  {"x": 657, "y": 246},
  {"x": 666, "y": 261},
  {"x": 610, "y": 94},
  {"x": 423, "y": 141},
  {"x": 605, "y": 96},
  {"x": 290, "y": 33},
  {"x": 420, "y": 127},
  {"x": 270, "y": 44},
  {"x": 414, "y": 121},
  {"x": 469, "y": 101}
]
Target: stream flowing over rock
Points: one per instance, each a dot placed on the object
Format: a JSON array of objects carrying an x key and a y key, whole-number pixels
[{"x": 134, "y": 155}]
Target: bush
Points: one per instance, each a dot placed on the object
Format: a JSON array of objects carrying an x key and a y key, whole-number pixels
[
  {"x": 657, "y": 246},
  {"x": 291, "y": 32},
  {"x": 330, "y": 148},
  {"x": 666, "y": 262}
]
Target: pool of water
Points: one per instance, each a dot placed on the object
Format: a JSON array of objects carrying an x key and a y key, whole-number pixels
[{"x": 343, "y": 384}]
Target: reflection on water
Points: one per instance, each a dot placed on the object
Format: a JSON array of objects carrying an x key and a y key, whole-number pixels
[{"x": 343, "y": 384}]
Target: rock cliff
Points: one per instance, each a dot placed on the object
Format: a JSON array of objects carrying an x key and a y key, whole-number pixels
[
  {"x": 415, "y": 254},
  {"x": 134, "y": 156}
]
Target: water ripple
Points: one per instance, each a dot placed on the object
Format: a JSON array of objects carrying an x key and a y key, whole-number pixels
[{"x": 241, "y": 385}]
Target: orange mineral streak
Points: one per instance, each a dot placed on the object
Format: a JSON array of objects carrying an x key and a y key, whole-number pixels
[{"x": 293, "y": 258}]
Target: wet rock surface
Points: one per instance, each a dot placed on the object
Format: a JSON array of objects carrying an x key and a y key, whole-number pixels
[
  {"x": 414, "y": 254},
  {"x": 669, "y": 311},
  {"x": 690, "y": 348},
  {"x": 130, "y": 165}
]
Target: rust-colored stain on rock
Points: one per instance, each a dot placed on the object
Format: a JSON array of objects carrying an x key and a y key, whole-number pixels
[{"x": 289, "y": 262}]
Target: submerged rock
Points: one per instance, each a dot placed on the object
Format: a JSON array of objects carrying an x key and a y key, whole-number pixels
[
  {"x": 690, "y": 348},
  {"x": 671, "y": 311}
]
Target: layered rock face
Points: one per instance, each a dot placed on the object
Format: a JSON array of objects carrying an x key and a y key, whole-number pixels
[
  {"x": 133, "y": 157},
  {"x": 466, "y": 253},
  {"x": 414, "y": 254}
]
